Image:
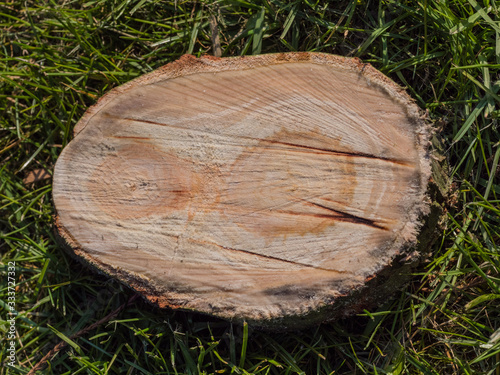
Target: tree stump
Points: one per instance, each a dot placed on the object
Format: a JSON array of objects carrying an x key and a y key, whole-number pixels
[{"x": 279, "y": 189}]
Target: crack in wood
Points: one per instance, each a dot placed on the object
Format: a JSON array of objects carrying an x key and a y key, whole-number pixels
[
  {"x": 316, "y": 150},
  {"x": 344, "y": 216},
  {"x": 319, "y": 150},
  {"x": 248, "y": 252}
]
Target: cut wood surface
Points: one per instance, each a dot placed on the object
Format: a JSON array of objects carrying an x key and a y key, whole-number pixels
[{"x": 266, "y": 188}]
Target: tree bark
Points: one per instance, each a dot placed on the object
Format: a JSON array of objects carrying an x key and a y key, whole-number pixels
[{"x": 279, "y": 189}]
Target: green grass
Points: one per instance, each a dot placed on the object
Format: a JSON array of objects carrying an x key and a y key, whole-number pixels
[{"x": 59, "y": 57}]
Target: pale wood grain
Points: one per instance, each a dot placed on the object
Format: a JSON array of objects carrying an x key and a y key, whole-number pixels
[{"x": 251, "y": 188}]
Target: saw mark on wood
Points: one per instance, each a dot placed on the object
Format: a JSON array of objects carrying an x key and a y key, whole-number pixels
[{"x": 130, "y": 137}]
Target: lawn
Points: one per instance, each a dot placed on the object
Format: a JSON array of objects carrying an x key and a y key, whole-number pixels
[{"x": 58, "y": 57}]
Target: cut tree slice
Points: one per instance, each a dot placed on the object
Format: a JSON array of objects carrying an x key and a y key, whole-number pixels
[{"x": 269, "y": 189}]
